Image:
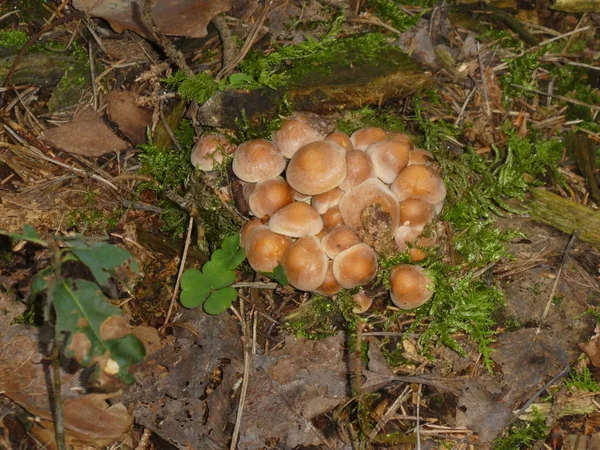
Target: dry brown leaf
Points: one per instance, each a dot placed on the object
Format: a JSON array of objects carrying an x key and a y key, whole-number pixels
[
  {"x": 592, "y": 349},
  {"x": 85, "y": 135},
  {"x": 131, "y": 119},
  {"x": 173, "y": 17}
]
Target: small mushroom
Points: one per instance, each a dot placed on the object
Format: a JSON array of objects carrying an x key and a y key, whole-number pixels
[
  {"x": 332, "y": 218},
  {"x": 364, "y": 137},
  {"x": 305, "y": 264},
  {"x": 417, "y": 251},
  {"x": 247, "y": 230},
  {"x": 296, "y": 220},
  {"x": 265, "y": 249},
  {"x": 326, "y": 200},
  {"x": 415, "y": 212},
  {"x": 358, "y": 169},
  {"x": 355, "y": 266},
  {"x": 338, "y": 240},
  {"x": 270, "y": 196},
  {"x": 317, "y": 167},
  {"x": 406, "y": 234},
  {"x": 293, "y": 134},
  {"x": 257, "y": 160},
  {"x": 330, "y": 286},
  {"x": 419, "y": 181},
  {"x": 422, "y": 157},
  {"x": 410, "y": 286},
  {"x": 363, "y": 303},
  {"x": 341, "y": 139},
  {"x": 388, "y": 158},
  {"x": 369, "y": 193},
  {"x": 401, "y": 137},
  {"x": 209, "y": 151}
]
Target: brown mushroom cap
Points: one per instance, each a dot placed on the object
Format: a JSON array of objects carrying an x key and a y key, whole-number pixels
[
  {"x": 364, "y": 137},
  {"x": 209, "y": 151},
  {"x": 322, "y": 202},
  {"x": 417, "y": 252},
  {"x": 406, "y": 234},
  {"x": 305, "y": 264},
  {"x": 293, "y": 134},
  {"x": 355, "y": 266},
  {"x": 296, "y": 220},
  {"x": 338, "y": 240},
  {"x": 388, "y": 158},
  {"x": 247, "y": 230},
  {"x": 317, "y": 167},
  {"x": 409, "y": 286},
  {"x": 419, "y": 181},
  {"x": 358, "y": 169},
  {"x": 270, "y": 196},
  {"x": 415, "y": 212},
  {"x": 257, "y": 160},
  {"x": 265, "y": 249},
  {"x": 363, "y": 303},
  {"x": 422, "y": 157},
  {"x": 401, "y": 137},
  {"x": 368, "y": 193},
  {"x": 332, "y": 218},
  {"x": 340, "y": 139},
  {"x": 330, "y": 286}
]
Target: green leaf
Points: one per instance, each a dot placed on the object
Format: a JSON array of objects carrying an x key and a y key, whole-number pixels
[
  {"x": 193, "y": 279},
  {"x": 237, "y": 259},
  {"x": 194, "y": 298},
  {"x": 220, "y": 300},
  {"x": 127, "y": 351},
  {"x": 221, "y": 258},
  {"x": 102, "y": 259},
  {"x": 217, "y": 277},
  {"x": 39, "y": 282},
  {"x": 194, "y": 288},
  {"x": 231, "y": 243},
  {"x": 29, "y": 234},
  {"x": 279, "y": 275}
]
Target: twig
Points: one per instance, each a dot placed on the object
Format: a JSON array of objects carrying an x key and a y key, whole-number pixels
[
  {"x": 93, "y": 76},
  {"x": 565, "y": 257},
  {"x": 186, "y": 247},
  {"x": 165, "y": 124},
  {"x": 144, "y": 440},
  {"x": 559, "y": 97},
  {"x": 172, "y": 53},
  {"x": 227, "y": 42},
  {"x": 255, "y": 284},
  {"x": 483, "y": 83},
  {"x": 418, "y": 430},
  {"x": 389, "y": 413},
  {"x": 464, "y": 106},
  {"x": 247, "y": 362}
]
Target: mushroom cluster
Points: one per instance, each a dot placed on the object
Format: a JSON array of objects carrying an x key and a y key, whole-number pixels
[{"x": 326, "y": 206}]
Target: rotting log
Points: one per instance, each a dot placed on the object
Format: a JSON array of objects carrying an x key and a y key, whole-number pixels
[
  {"x": 41, "y": 69},
  {"x": 565, "y": 215},
  {"x": 576, "y": 6}
]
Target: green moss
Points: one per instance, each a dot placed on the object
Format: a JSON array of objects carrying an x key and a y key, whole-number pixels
[
  {"x": 13, "y": 40},
  {"x": 521, "y": 436},
  {"x": 389, "y": 11},
  {"x": 90, "y": 220},
  {"x": 583, "y": 381},
  {"x": 386, "y": 118}
]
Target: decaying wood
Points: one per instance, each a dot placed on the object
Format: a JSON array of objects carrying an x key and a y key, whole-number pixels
[{"x": 576, "y": 6}]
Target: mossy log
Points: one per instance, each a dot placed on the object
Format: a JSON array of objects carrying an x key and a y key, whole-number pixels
[
  {"x": 565, "y": 215},
  {"x": 41, "y": 69},
  {"x": 576, "y": 6}
]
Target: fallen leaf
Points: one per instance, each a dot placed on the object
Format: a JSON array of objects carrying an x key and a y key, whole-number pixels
[
  {"x": 85, "y": 135},
  {"x": 173, "y": 17},
  {"x": 592, "y": 348},
  {"x": 131, "y": 119}
]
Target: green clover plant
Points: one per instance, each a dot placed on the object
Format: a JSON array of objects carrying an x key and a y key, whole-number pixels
[{"x": 211, "y": 287}]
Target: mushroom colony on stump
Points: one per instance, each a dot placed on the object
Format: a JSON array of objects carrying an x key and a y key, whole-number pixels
[{"x": 326, "y": 206}]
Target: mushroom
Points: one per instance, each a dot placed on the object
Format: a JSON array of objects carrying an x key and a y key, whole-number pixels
[
  {"x": 363, "y": 303},
  {"x": 326, "y": 200},
  {"x": 422, "y": 157},
  {"x": 338, "y": 240},
  {"x": 257, "y": 160},
  {"x": 405, "y": 234},
  {"x": 296, "y": 220},
  {"x": 247, "y": 230},
  {"x": 355, "y": 266},
  {"x": 265, "y": 249},
  {"x": 332, "y": 218},
  {"x": 330, "y": 286},
  {"x": 419, "y": 181},
  {"x": 401, "y": 137},
  {"x": 369, "y": 193},
  {"x": 293, "y": 134},
  {"x": 416, "y": 251},
  {"x": 415, "y": 212},
  {"x": 270, "y": 196},
  {"x": 209, "y": 151},
  {"x": 341, "y": 139},
  {"x": 358, "y": 169},
  {"x": 305, "y": 264},
  {"x": 317, "y": 167},
  {"x": 364, "y": 137},
  {"x": 388, "y": 159},
  {"x": 409, "y": 286}
]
